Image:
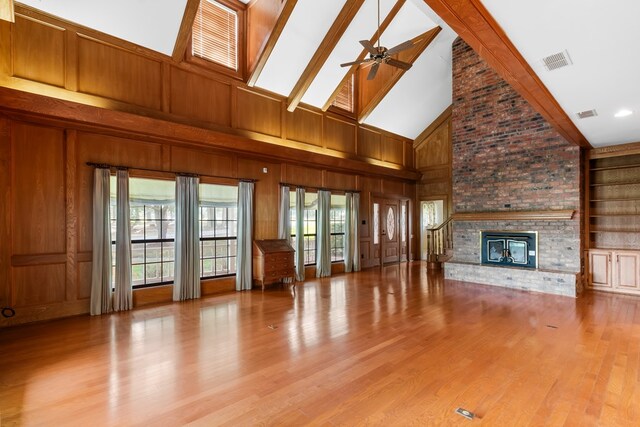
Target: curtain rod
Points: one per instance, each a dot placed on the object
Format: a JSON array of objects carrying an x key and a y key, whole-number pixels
[
  {"x": 119, "y": 167},
  {"x": 284, "y": 184}
]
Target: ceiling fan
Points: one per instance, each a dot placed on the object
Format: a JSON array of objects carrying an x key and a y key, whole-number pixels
[{"x": 380, "y": 54}]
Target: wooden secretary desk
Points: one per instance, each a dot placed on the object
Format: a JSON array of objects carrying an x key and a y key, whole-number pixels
[{"x": 272, "y": 261}]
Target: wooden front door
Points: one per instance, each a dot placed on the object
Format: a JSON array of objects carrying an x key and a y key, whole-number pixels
[{"x": 390, "y": 235}]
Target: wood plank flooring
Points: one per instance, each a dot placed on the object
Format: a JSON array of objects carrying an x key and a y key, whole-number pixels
[{"x": 391, "y": 346}]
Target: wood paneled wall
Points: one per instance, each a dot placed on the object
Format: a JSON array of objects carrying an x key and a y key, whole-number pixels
[
  {"x": 433, "y": 160},
  {"x": 127, "y": 105},
  {"x": 46, "y": 187},
  {"x": 45, "y": 52}
]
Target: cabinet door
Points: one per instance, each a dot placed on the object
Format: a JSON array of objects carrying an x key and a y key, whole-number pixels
[
  {"x": 600, "y": 269},
  {"x": 626, "y": 270}
]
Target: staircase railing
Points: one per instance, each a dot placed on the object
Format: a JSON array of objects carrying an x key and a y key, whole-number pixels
[{"x": 439, "y": 239}]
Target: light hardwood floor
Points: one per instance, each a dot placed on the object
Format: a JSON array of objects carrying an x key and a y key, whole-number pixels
[{"x": 390, "y": 346}]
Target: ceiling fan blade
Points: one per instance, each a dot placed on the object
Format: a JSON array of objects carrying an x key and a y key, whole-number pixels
[
  {"x": 399, "y": 64},
  {"x": 369, "y": 46},
  {"x": 348, "y": 64},
  {"x": 373, "y": 71},
  {"x": 399, "y": 48}
]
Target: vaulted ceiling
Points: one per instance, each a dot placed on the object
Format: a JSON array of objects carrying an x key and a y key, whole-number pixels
[{"x": 317, "y": 36}]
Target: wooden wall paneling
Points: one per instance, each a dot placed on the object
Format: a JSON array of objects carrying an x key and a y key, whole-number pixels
[
  {"x": 71, "y": 216},
  {"x": 166, "y": 87},
  {"x": 84, "y": 280},
  {"x": 341, "y": 181},
  {"x": 38, "y": 189},
  {"x": 392, "y": 188},
  {"x": 71, "y": 61},
  {"x": 5, "y": 212},
  {"x": 99, "y": 148},
  {"x": 304, "y": 125},
  {"x": 265, "y": 21},
  {"x": 266, "y": 196},
  {"x": 114, "y": 73},
  {"x": 258, "y": 112},
  {"x": 369, "y": 143},
  {"x": 195, "y": 96},
  {"x": 38, "y": 51},
  {"x": 38, "y": 284},
  {"x": 392, "y": 150},
  {"x": 6, "y": 35},
  {"x": 409, "y": 156},
  {"x": 202, "y": 162},
  {"x": 435, "y": 149},
  {"x": 154, "y": 295},
  {"x": 302, "y": 175},
  {"x": 340, "y": 135}
]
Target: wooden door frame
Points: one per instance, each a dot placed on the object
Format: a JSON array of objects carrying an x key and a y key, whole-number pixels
[{"x": 410, "y": 219}]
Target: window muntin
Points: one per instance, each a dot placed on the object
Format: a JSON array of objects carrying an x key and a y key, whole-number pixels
[
  {"x": 218, "y": 230},
  {"x": 152, "y": 221},
  {"x": 337, "y": 216},
  {"x": 215, "y": 34},
  {"x": 309, "y": 225}
]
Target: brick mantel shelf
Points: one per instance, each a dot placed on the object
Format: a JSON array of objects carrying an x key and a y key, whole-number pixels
[{"x": 542, "y": 215}]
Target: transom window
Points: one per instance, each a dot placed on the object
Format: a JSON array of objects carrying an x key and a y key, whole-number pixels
[{"x": 215, "y": 34}]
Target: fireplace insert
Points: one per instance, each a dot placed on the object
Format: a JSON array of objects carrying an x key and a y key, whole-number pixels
[{"x": 509, "y": 248}]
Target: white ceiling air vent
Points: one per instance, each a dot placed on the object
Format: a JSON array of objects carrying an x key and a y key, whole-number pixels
[
  {"x": 557, "y": 60},
  {"x": 586, "y": 114}
]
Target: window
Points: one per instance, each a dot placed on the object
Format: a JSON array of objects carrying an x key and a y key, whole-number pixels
[
  {"x": 152, "y": 219},
  {"x": 309, "y": 225},
  {"x": 345, "y": 98},
  {"x": 218, "y": 230},
  {"x": 337, "y": 224},
  {"x": 215, "y": 34}
]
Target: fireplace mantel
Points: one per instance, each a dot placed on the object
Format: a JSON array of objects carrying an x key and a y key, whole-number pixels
[{"x": 550, "y": 215}]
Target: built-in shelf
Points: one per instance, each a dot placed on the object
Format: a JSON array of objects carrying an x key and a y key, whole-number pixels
[
  {"x": 613, "y": 184},
  {"x": 613, "y": 231},
  {"x": 608, "y": 168},
  {"x": 631, "y": 199},
  {"x": 613, "y": 215},
  {"x": 611, "y": 181}
]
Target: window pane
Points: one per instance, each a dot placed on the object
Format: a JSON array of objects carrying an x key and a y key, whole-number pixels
[
  {"x": 168, "y": 251},
  {"x": 167, "y": 271},
  {"x": 233, "y": 245},
  {"x": 153, "y": 252},
  {"x": 207, "y": 229},
  {"x": 153, "y": 273},
  {"x": 208, "y": 249},
  {"x": 137, "y": 253}
]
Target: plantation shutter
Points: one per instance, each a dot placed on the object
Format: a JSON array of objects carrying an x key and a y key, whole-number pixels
[
  {"x": 344, "y": 99},
  {"x": 215, "y": 34}
]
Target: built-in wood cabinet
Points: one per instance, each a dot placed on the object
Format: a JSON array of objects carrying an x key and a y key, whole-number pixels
[
  {"x": 617, "y": 271},
  {"x": 613, "y": 227}
]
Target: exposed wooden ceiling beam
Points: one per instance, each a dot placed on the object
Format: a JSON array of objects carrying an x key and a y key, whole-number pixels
[
  {"x": 265, "y": 21},
  {"x": 6, "y": 11},
  {"x": 383, "y": 26},
  {"x": 471, "y": 20},
  {"x": 373, "y": 91},
  {"x": 184, "y": 33},
  {"x": 340, "y": 25}
]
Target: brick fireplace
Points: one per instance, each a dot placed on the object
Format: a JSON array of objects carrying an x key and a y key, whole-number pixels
[{"x": 511, "y": 172}]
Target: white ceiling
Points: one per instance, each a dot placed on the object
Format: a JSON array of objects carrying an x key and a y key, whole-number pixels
[{"x": 601, "y": 39}]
